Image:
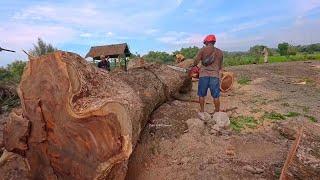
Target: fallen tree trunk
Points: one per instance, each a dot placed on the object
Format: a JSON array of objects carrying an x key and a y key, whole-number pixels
[
  {"x": 304, "y": 162},
  {"x": 84, "y": 121},
  {"x": 303, "y": 159}
]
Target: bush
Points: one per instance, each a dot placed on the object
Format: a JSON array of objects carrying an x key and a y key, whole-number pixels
[
  {"x": 274, "y": 116},
  {"x": 241, "y": 122},
  {"x": 189, "y": 52},
  {"x": 161, "y": 57},
  {"x": 9, "y": 79},
  {"x": 41, "y": 48},
  {"x": 283, "y": 48},
  {"x": 244, "y": 80},
  {"x": 292, "y": 50}
]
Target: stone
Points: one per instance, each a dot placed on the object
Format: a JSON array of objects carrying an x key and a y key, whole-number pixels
[
  {"x": 206, "y": 117},
  {"x": 195, "y": 125},
  {"x": 221, "y": 118},
  {"x": 230, "y": 152},
  {"x": 202, "y": 167},
  {"x": 184, "y": 160},
  {"x": 253, "y": 170}
]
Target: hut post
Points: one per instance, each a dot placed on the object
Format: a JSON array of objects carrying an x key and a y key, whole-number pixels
[
  {"x": 125, "y": 62},
  {"x": 119, "y": 60}
]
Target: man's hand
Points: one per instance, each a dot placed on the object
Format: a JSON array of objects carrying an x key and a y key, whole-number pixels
[{"x": 221, "y": 73}]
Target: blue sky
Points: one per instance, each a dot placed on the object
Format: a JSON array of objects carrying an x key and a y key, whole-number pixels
[{"x": 163, "y": 25}]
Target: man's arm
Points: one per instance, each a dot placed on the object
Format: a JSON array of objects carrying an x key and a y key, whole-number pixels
[
  {"x": 198, "y": 58},
  {"x": 221, "y": 63}
]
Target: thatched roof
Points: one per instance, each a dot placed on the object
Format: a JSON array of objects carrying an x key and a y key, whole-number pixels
[{"x": 113, "y": 51}]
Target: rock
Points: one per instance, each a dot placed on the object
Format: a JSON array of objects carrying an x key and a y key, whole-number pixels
[
  {"x": 216, "y": 127},
  {"x": 202, "y": 167},
  {"x": 253, "y": 170},
  {"x": 174, "y": 161},
  {"x": 177, "y": 103},
  {"x": 230, "y": 152},
  {"x": 13, "y": 166},
  {"x": 184, "y": 160},
  {"x": 221, "y": 119},
  {"x": 212, "y": 131},
  {"x": 195, "y": 125},
  {"x": 206, "y": 117},
  {"x": 211, "y": 160},
  {"x": 287, "y": 130},
  {"x": 215, "y": 130}
]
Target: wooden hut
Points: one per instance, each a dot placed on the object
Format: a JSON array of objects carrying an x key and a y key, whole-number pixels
[{"x": 115, "y": 51}]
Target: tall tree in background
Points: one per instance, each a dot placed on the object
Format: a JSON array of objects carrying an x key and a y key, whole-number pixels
[
  {"x": 158, "y": 56},
  {"x": 292, "y": 50},
  {"x": 283, "y": 48},
  {"x": 189, "y": 52},
  {"x": 41, "y": 48}
]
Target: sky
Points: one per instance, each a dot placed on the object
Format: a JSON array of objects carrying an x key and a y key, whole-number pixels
[{"x": 157, "y": 25}]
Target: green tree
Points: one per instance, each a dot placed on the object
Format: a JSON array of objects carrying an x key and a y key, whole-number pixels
[
  {"x": 12, "y": 73},
  {"x": 5, "y": 75},
  {"x": 292, "y": 50},
  {"x": 283, "y": 48},
  {"x": 133, "y": 56},
  {"x": 157, "y": 56},
  {"x": 41, "y": 48},
  {"x": 188, "y": 53}
]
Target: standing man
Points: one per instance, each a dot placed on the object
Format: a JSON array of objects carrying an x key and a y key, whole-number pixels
[
  {"x": 209, "y": 77},
  {"x": 104, "y": 63},
  {"x": 265, "y": 54}
]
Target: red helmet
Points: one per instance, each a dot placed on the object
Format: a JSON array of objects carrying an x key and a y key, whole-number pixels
[{"x": 210, "y": 38}]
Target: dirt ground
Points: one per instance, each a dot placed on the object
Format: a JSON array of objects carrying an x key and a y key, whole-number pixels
[{"x": 177, "y": 145}]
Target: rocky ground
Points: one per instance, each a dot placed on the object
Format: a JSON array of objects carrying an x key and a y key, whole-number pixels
[
  {"x": 177, "y": 145},
  {"x": 272, "y": 101}
]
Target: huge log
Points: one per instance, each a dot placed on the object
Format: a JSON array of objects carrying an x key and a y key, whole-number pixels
[
  {"x": 303, "y": 159},
  {"x": 84, "y": 121}
]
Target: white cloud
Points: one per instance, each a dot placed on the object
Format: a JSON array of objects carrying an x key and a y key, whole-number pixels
[
  {"x": 86, "y": 35},
  {"x": 24, "y": 35},
  {"x": 92, "y": 15},
  {"x": 151, "y": 31},
  {"x": 304, "y": 32},
  {"x": 180, "y": 38},
  {"x": 247, "y": 26},
  {"x": 110, "y": 34},
  {"x": 304, "y": 6},
  {"x": 179, "y": 2}
]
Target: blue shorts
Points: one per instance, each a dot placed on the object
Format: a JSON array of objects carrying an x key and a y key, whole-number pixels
[{"x": 212, "y": 83}]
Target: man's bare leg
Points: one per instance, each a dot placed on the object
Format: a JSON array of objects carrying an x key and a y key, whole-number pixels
[
  {"x": 216, "y": 102},
  {"x": 201, "y": 101}
]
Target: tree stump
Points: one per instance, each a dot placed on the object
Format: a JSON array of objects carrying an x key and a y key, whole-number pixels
[{"x": 84, "y": 121}]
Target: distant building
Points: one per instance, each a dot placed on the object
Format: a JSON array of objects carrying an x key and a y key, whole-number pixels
[{"x": 115, "y": 51}]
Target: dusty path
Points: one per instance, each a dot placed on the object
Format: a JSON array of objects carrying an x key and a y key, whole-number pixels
[{"x": 173, "y": 147}]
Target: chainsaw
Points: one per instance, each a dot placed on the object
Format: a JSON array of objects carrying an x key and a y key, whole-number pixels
[{"x": 193, "y": 71}]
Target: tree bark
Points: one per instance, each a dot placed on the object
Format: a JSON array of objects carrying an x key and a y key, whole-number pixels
[
  {"x": 84, "y": 121},
  {"x": 305, "y": 163}
]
